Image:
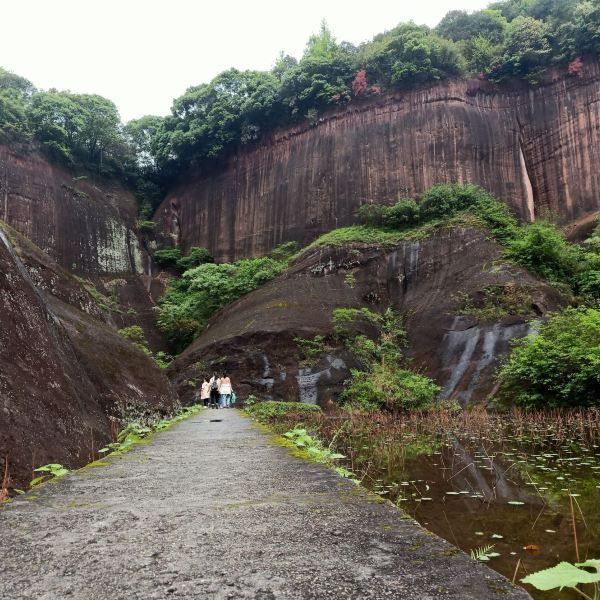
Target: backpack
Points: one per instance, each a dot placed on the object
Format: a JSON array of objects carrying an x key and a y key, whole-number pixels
[{"x": 214, "y": 385}]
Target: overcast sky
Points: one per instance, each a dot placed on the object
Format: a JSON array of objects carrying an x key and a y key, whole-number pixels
[{"x": 143, "y": 53}]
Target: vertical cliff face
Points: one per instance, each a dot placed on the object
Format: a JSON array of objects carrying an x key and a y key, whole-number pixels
[
  {"x": 63, "y": 369},
  {"x": 534, "y": 147},
  {"x": 88, "y": 227}
]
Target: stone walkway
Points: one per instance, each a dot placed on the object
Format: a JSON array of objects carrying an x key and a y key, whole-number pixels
[{"x": 218, "y": 510}]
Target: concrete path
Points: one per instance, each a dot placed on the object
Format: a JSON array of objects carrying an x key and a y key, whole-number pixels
[{"x": 218, "y": 510}]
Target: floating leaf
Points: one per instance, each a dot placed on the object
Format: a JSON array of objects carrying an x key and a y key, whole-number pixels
[
  {"x": 516, "y": 502},
  {"x": 497, "y": 536}
]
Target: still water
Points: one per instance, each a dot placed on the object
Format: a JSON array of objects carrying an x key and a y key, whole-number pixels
[{"x": 524, "y": 492}]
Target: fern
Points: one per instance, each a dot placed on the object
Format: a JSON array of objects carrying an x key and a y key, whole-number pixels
[{"x": 484, "y": 553}]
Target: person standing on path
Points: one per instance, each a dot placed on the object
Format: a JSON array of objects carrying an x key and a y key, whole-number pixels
[
  {"x": 205, "y": 392},
  {"x": 214, "y": 391},
  {"x": 225, "y": 391}
]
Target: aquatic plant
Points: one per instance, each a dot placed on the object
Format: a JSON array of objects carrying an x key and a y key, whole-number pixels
[{"x": 567, "y": 575}]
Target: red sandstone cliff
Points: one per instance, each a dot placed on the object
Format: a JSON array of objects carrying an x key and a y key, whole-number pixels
[
  {"x": 87, "y": 227},
  {"x": 63, "y": 369},
  {"x": 538, "y": 148}
]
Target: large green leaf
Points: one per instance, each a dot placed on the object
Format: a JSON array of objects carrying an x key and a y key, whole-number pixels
[
  {"x": 564, "y": 574},
  {"x": 591, "y": 563}
]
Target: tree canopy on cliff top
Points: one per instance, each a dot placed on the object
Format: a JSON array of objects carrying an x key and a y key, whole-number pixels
[{"x": 511, "y": 38}]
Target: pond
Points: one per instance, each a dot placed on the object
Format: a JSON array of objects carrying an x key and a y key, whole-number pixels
[{"x": 522, "y": 489}]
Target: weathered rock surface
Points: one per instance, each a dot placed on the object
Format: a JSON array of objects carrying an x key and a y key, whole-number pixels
[
  {"x": 63, "y": 369},
  {"x": 217, "y": 510},
  {"x": 87, "y": 227},
  {"x": 537, "y": 148},
  {"x": 429, "y": 281}
]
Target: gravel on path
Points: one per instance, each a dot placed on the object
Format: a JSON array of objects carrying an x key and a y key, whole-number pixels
[{"x": 216, "y": 509}]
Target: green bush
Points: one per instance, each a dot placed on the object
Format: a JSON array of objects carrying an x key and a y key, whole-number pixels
[
  {"x": 541, "y": 248},
  {"x": 440, "y": 203},
  {"x": 195, "y": 257},
  {"x": 383, "y": 381},
  {"x": 167, "y": 257},
  {"x": 136, "y": 335},
  {"x": 146, "y": 226},
  {"x": 312, "y": 349},
  {"x": 272, "y": 409},
  {"x": 193, "y": 298},
  {"x": 404, "y": 213},
  {"x": 387, "y": 385},
  {"x": 558, "y": 367},
  {"x": 448, "y": 199},
  {"x": 371, "y": 214},
  {"x": 284, "y": 252},
  {"x": 347, "y": 322}
]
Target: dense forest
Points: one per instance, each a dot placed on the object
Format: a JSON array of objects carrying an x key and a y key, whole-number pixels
[{"x": 509, "y": 39}]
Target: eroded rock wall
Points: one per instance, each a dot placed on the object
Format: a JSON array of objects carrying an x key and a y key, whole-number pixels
[
  {"x": 432, "y": 282},
  {"x": 535, "y": 147},
  {"x": 87, "y": 226},
  {"x": 63, "y": 369}
]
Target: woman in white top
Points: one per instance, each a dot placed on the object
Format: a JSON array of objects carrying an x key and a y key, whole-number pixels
[
  {"x": 205, "y": 392},
  {"x": 225, "y": 391}
]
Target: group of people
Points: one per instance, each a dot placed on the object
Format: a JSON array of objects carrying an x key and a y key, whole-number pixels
[{"x": 217, "y": 392}]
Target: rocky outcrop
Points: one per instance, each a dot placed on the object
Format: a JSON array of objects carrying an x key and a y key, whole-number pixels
[
  {"x": 87, "y": 226},
  {"x": 441, "y": 284},
  {"x": 535, "y": 147},
  {"x": 63, "y": 369}
]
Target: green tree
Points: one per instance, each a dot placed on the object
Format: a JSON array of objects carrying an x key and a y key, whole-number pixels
[
  {"x": 460, "y": 25},
  {"x": 410, "y": 53},
  {"x": 527, "y": 50},
  {"x": 234, "y": 108},
  {"x": 321, "y": 78},
  {"x": 55, "y": 121},
  {"x": 557, "y": 367}
]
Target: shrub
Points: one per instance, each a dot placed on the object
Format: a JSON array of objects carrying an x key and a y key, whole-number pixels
[
  {"x": 383, "y": 381},
  {"x": 193, "y": 298},
  {"x": 386, "y": 385},
  {"x": 448, "y": 199},
  {"x": 347, "y": 322},
  {"x": 284, "y": 252},
  {"x": 560, "y": 366},
  {"x": 136, "y": 335},
  {"x": 402, "y": 214},
  {"x": 146, "y": 226},
  {"x": 167, "y": 257},
  {"x": 312, "y": 349},
  {"x": 196, "y": 256},
  {"x": 542, "y": 249},
  {"x": 272, "y": 409},
  {"x": 371, "y": 214}
]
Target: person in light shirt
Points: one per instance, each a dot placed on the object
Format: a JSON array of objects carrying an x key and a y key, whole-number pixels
[
  {"x": 205, "y": 392},
  {"x": 225, "y": 391}
]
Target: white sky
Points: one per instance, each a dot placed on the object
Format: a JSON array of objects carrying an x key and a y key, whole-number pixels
[{"x": 143, "y": 53}]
